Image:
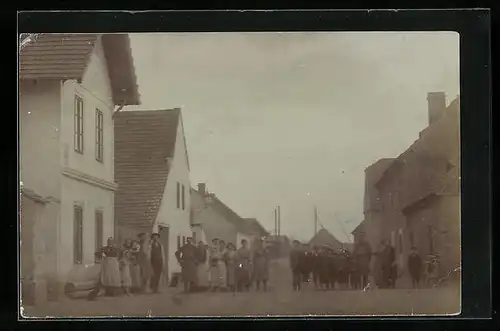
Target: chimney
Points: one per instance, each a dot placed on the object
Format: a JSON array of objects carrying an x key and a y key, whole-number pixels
[
  {"x": 202, "y": 188},
  {"x": 437, "y": 104}
]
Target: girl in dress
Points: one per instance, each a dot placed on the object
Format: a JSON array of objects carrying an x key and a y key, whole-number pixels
[
  {"x": 110, "y": 272},
  {"x": 125, "y": 262},
  {"x": 231, "y": 259},
  {"x": 215, "y": 272},
  {"x": 222, "y": 264},
  {"x": 135, "y": 267}
]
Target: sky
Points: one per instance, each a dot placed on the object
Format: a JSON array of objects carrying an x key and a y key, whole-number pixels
[{"x": 293, "y": 119}]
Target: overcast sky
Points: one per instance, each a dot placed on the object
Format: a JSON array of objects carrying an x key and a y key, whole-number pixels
[{"x": 294, "y": 118}]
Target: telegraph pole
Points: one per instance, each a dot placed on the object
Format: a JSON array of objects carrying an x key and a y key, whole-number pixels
[{"x": 279, "y": 221}]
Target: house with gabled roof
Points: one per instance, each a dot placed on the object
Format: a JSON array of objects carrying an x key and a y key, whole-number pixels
[
  {"x": 419, "y": 192},
  {"x": 323, "y": 237},
  {"x": 70, "y": 85},
  {"x": 152, "y": 174},
  {"x": 215, "y": 219}
]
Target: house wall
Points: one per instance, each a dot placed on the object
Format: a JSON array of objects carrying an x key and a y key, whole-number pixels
[
  {"x": 91, "y": 198},
  {"x": 438, "y": 221},
  {"x": 177, "y": 219},
  {"x": 40, "y": 135},
  {"x": 95, "y": 90},
  {"x": 415, "y": 178},
  {"x": 40, "y": 168},
  {"x": 214, "y": 224}
]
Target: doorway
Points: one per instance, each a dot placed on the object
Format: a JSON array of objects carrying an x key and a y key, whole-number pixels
[{"x": 164, "y": 232}]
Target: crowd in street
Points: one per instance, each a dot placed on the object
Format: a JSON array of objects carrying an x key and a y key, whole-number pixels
[
  {"x": 328, "y": 268},
  {"x": 137, "y": 266}
]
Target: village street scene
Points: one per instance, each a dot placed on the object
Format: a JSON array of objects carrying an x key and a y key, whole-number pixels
[{"x": 237, "y": 174}]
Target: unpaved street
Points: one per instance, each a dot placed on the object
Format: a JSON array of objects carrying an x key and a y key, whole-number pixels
[{"x": 279, "y": 300}]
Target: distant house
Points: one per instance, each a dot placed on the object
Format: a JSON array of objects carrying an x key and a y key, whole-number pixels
[
  {"x": 207, "y": 221},
  {"x": 70, "y": 85},
  {"x": 152, "y": 173},
  {"x": 324, "y": 237},
  {"x": 420, "y": 191}
]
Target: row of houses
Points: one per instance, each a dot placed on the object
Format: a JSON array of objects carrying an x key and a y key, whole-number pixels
[
  {"x": 414, "y": 200},
  {"x": 90, "y": 170}
]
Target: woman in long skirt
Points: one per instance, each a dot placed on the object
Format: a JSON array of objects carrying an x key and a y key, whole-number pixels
[
  {"x": 222, "y": 264},
  {"x": 215, "y": 272},
  {"x": 244, "y": 269},
  {"x": 135, "y": 268},
  {"x": 231, "y": 263},
  {"x": 261, "y": 266},
  {"x": 125, "y": 262},
  {"x": 110, "y": 273}
]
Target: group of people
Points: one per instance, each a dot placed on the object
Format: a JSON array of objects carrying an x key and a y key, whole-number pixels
[
  {"x": 328, "y": 268},
  {"x": 223, "y": 267},
  {"x": 130, "y": 268}
]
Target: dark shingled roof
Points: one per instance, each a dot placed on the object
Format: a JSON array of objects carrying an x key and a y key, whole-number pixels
[
  {"x": 144, "y": 148},
  {"x": 66, "y": 56},
  {"x": 324, "y": 237}
]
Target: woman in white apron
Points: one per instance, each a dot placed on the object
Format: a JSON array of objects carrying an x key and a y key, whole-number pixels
[{"x": 110, "y": 273}]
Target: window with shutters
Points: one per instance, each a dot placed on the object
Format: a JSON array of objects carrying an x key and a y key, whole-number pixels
[
  {"x": 99, "y": 136},
  {"x": 78, "y": 125},
  {"x": 183, "y": 240},
  {"x": 98, "y": 230},
  {"x": 78, "y": 234},
  {"x": 178, "y": 242},
  {"x": 183, "y": 197}
]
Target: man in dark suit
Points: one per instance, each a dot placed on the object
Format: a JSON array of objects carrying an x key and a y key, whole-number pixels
[{"x": 157, "y": 259}]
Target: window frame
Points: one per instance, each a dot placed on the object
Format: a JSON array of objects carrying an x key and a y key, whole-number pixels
[
  {"x": 99, "y": 229},
  {"x": 183, "y": 197},
  {"x": 78, "y": 129},
  {"x": 99, "y": 135},
  {"x": 78, "y": 234}
]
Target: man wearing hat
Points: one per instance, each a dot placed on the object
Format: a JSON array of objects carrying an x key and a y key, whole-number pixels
[
  {"x": 186, "y": 256},
  {"x": 157, "y": 259}
]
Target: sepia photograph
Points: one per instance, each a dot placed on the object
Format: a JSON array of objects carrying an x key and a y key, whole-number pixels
[{"x": 239, "y": 174}]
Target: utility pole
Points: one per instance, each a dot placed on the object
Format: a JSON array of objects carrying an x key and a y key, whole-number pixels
[
  {"x": 275, "y": 222},
  {"x": 279, "y": 221}
]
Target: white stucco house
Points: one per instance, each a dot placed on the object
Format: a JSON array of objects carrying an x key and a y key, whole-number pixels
[
  {"x": 211, "y": 218},
  {"x": 70, "y": 85},
  {"x": 152, "y": 173}
]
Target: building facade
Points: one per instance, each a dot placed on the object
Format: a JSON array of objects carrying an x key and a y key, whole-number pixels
[
  {"x": 419, "y": 192},
  {"x": 69, "y": 87},
  {"x": 152, "y": 173}
]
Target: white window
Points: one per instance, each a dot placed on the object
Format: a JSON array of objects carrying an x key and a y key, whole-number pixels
[{"x": 78, "y": 125}]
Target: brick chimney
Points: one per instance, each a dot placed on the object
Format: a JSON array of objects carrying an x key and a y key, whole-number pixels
[
  {"x": 202, "y": 188},
  {"x": 437, "y": 104}
]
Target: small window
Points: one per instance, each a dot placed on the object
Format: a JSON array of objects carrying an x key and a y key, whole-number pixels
[
  {"x": 183, "y": 198},
  {"x": 78, "y": 235},
  {"x": 78, "y": 125},
  {"x": 178, "y": 193},
  {"x": 178, "y": 242},
  {"x": 99, "y": 135},
  {"x": 98, "y": 230}
]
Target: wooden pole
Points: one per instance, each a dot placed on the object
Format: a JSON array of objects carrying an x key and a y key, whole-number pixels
[{"x": 279, "y": 221}]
